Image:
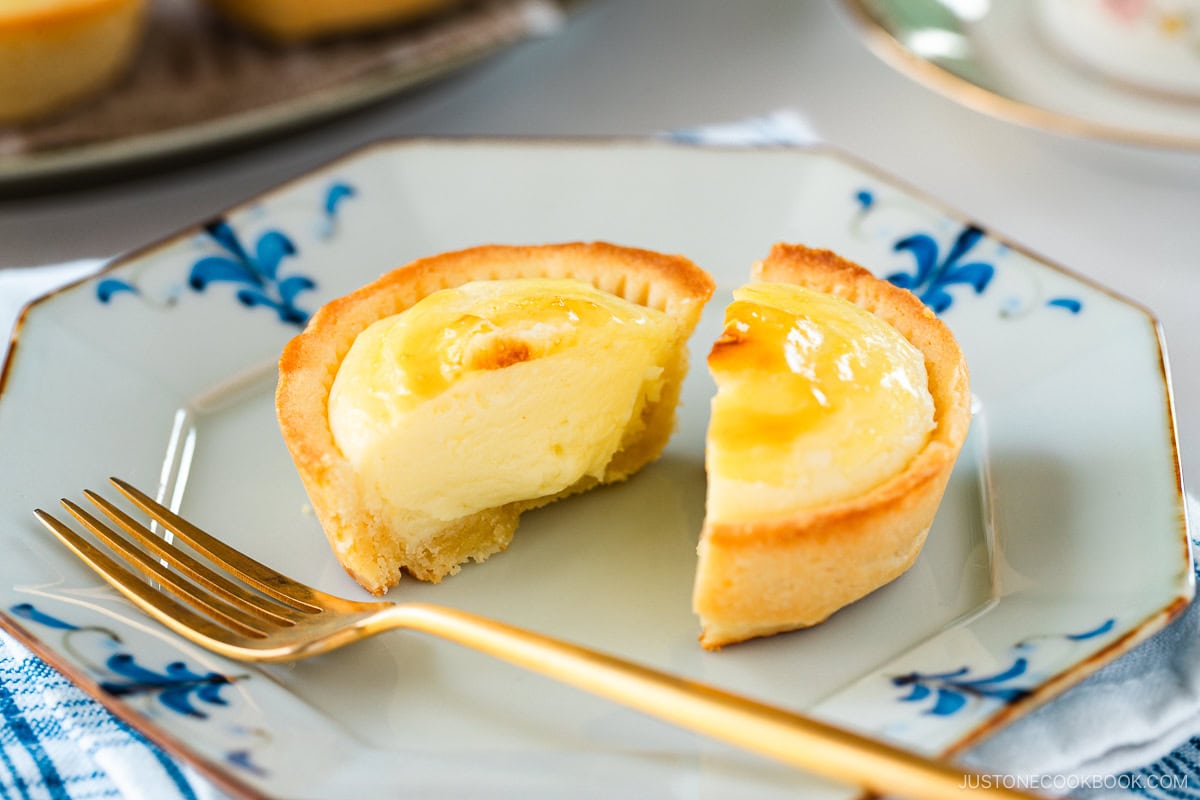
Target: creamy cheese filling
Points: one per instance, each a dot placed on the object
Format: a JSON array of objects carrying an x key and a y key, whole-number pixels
[
  {"x": 817, "y": 401},
  {"x": 495, "y": 392}
]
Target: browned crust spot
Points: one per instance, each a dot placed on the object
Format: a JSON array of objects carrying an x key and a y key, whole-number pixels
[{"x": 500, "y": 353}]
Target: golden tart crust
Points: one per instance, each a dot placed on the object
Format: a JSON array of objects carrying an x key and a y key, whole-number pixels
[
  {"x": 54, "y": 53},
  {"x": 756, "y": 578},
  {"x": 292, "y": 21},
  {"x": 373, "y": 547}
]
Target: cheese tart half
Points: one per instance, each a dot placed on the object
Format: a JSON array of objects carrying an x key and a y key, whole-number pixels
[
  {"x": 427, "y": 410},
  {"x": 54, "y": 53},
  {"x": 842, "y": 403}
]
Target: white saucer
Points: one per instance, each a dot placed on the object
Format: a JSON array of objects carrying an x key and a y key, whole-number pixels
[{"x": 994, "y": 58}]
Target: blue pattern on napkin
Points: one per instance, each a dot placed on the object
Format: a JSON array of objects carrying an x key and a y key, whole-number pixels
[
  {"x": 59, "y": 744},
  {"x": 1175, "y": 776}
]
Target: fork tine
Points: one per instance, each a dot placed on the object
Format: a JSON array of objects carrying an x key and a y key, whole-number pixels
[
  {"x": 167, "y": 611},
  {"x": 174, "y": 583},
  {"x": 260, "y": 576},
  {"x": 209, "y": 579}
]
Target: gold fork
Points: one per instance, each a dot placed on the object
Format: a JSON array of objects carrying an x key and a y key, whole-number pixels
[{"x": 247, "y": 611}]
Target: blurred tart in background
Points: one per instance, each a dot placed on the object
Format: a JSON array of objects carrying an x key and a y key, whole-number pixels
[{"x": 55, "y": 53}]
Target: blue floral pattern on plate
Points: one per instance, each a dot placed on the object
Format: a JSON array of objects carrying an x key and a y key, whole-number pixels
[
  {"x": 254, "y": 268},
  {"x": 258, "y": 273},
  {"x": 937, "y": 266},
  {"x": 950, "y": 690},
  {"x": 934, "y": 274},
  {"x": 176, "y": 686}
]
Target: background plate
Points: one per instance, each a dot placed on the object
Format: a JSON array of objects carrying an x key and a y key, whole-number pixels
[
  {"x": 994, "y": 58},
  {"x": 1059, "y": 545},
  {"x": 199, "y": 83}
]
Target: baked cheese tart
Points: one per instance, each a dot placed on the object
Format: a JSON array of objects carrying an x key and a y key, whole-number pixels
[
  {"x": 427, "y": 410},
  {"x": 303, "y": 20},
  {"x": 54, "y": 53},
  {"x": 842, "y": 403}
]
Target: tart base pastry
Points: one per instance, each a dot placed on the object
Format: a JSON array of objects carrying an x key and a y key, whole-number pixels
[
  {"x": 54, "y": 53},
  {"x": 502, "y": 420},
  {"x": 291, "y": 21},
  {"x": 760, "y": 574}
]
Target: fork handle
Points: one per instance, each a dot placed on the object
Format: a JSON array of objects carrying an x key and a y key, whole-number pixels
[{"x": 803, "y": 742}]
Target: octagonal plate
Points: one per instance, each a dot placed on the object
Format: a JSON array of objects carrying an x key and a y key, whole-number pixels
[{"x": 1060, "y": 544}]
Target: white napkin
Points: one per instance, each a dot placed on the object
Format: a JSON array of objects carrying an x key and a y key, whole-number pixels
[{"x": 781, "y": 127}]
